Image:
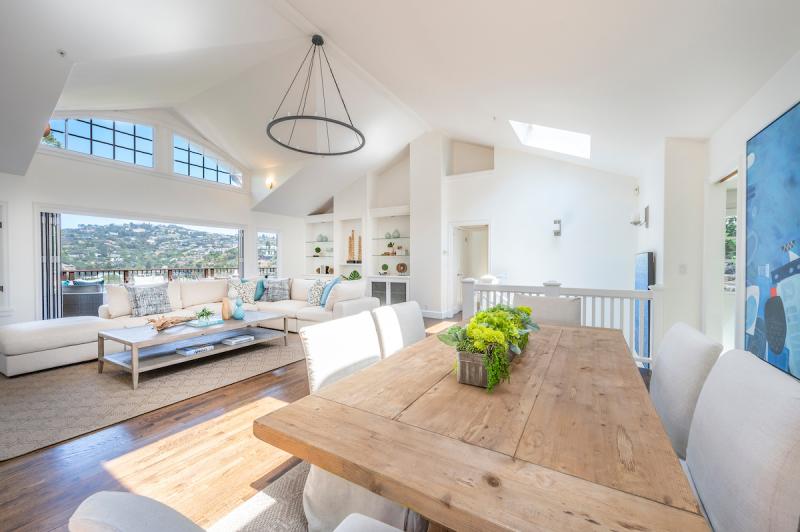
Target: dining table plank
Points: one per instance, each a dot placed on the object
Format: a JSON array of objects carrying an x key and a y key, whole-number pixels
[
  {"x": 593, "y": 419},
  {"x": 461, "y": 486},
  {"x": 391, "y": 386},
  {"x": 492, "y": 420}
]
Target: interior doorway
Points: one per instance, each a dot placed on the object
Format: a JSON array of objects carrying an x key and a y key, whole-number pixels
[
  {"x": 729, "y": 272},
  {"x": 470, "y": 257}
]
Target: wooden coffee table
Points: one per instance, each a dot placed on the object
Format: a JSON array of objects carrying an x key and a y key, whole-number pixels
[{"x": 150, "y": 349}]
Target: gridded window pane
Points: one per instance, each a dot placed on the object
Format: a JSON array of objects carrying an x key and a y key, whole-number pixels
[
  {"x": 124, "y": 154},
  {"x": 78, "y": 144},
  {"x": 125, "y": 141},
  {"x": 104, "y": 138},
  {"x": 144, "y": 145},
  {"x": 144, "y": 132},
  {"x": 144, "y": 159},
  {"x": 124, "y": 127},
  {"x": 78, "y": 127},
  {"x": 102, "y": 149},
  {"x": 200, "y": 164}
]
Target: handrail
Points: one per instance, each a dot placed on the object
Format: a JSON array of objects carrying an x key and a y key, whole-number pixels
[
  {"x": 126, "y": 275},
  {"x": 634, "y": 312}
]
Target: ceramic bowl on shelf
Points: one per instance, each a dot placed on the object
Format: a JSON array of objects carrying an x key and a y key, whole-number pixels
[
  {"x": 387, "y": 235},
  {"x": 402, "y": 267}
]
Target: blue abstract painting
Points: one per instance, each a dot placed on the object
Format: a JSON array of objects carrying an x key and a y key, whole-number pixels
[{"x": 772, "y": 276}]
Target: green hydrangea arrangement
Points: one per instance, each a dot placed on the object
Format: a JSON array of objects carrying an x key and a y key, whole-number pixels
[{"x": 493, "y": 332}]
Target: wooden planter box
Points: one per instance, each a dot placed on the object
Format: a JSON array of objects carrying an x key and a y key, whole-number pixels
[{"x": 470, "y": 368}]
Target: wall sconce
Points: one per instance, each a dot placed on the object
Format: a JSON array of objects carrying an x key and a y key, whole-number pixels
[
  {"x": 556, "y": 227},
  {"x": 269, "y": 182},
  {"x": 637, "y": 221}
]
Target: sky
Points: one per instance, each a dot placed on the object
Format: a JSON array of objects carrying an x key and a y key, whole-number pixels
[{"x": 72, "y": 221}]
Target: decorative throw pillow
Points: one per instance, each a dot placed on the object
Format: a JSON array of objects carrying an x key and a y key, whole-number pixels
[
  {"x": 148, "y": 300},
  {"x": 327, "y": 291},
  {"x": 239, "y": 288},
  {"x": 315, "y": 293},
  {"x": 275, "y": 289}
]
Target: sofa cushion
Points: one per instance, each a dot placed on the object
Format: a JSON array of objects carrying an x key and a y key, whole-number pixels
[
  {"x": 327, "y": 290},
  {"x": 315, "y": 314},
  {"x": 315, "y": 292},
  {"x": 174, "y": 293},
  {"x": 289, "y": 307},
  {"x": 148, "y": 300},
  {"x": 242, "y": 289},
  {"x": 203, "y": 291},
  {"x": 117, "y": 301},
  {"x": 345, "y": 291},
  {"x": 300, "y": 288},
  {"x": 32, "y": 336},
  {"x": 274, "y": 289}
]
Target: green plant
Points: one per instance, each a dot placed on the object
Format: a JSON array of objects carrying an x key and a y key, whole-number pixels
[
  {"x": 493, "y": 332},
  {"x": 317, "y": 250},
  {"x": 384, "y": 267},
  {"x": 354, "y": 276},
  {"x": 390, "y": 245},
  {"x": 204, "y": 314},
  {"x": 50, "y": 140}
]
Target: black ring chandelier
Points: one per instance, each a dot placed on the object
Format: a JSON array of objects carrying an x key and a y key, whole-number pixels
[{"x": 314, "y": 56}]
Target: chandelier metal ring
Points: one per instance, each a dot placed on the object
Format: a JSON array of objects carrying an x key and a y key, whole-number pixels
[{"x": 290, "y": 118}]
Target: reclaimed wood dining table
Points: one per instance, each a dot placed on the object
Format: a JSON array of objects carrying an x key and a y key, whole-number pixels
[{"x": 572, "y": 442}]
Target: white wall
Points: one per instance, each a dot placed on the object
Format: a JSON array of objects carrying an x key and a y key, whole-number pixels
[
  {"x": 685, "y": 170},
  {"x": 390, "y": 188},
  {"x": 69, "y": 182},
  {"x": 519, "y": 200},
  {"x": 651, "y": 194}
]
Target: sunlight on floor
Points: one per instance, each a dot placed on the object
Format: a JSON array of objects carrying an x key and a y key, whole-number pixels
[
  {"x": 186, "y": 470},
  {"x": 440, "y": 327}
]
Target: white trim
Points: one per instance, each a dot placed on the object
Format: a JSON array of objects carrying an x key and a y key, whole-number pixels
[
  {"x": 435, "y": 314},
  {"x": 44, "y": 149},
  {"x": 467, "y": 175},
  {"x": 451, "y": 266},
  {"x": 5, "y": 277}
]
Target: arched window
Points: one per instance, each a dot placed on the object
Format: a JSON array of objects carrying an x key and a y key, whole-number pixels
[
  {"x": 110, "y": 139},
  {"x": 191, "y": 160}
]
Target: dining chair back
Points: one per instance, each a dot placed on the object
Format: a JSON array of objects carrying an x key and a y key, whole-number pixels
[
  {"x": 545, "y": 310},
  {"x": 127, "y": 512},
  {"x": 680, "y": 368},
  {"x": 398, "y": 326},
  {"x": 337, "y": 348},
  {"x": 744, "y": 446}
]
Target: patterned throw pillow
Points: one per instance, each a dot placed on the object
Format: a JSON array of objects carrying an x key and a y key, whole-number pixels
[
  {"x": 275, "y": 289},
  {"x": 315, "y": 292},
  {"x": 148, "y": 300},
  {"x": 243, "y": 289}
]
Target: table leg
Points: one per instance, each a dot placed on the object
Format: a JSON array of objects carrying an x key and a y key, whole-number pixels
[
  {"x": 285, "y": 331},
  {"x": 101, "y": 352},
  {"x": 135, "y": 366}
]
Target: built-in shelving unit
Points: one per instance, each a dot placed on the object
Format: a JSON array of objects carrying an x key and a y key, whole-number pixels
[
  {"x": 351, "y": 252},
  {"x": 319, "y": 246},
  {"x": 390, "y": 253}
]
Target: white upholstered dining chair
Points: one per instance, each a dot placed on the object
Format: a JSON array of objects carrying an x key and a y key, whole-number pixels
[
  {"x": 680, "y": 368},
  {"x": 743, "y": 455},
  {"x": 115, "y": 511},
  {"x": 563, "y": 311},
  {"x": 398, "y": 326},
  {"x": 334, "y": 350}
]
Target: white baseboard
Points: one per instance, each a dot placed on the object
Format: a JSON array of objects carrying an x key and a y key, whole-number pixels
[{"x": 435, "y": 314}]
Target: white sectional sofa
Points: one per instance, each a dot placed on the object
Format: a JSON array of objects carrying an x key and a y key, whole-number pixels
[{"x": 37, "y": 345}]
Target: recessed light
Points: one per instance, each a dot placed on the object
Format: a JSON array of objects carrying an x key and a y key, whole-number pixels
[{"x": 553, "y": 139}]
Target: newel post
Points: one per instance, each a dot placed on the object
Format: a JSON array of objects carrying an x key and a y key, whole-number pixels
[
  {"x": 656, "y": 317},
  {"x": 467, "y": 298},
  {"x": 552, "y": 289}
]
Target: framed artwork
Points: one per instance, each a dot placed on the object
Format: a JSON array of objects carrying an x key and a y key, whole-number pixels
[{"x": 772, "y": 273}]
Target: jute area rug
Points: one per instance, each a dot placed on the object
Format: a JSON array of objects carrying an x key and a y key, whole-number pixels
[
  {"x": 48, "y": 407},
  {"x": 276, "y": 508}
]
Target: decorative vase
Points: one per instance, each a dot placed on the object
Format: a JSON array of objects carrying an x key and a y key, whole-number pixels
[
  {"x": 238, "y": 312},
  {"x": 396, "y": 234},
  {"x": 226, "y": 308},
  {"x": 388, "y": 235}
]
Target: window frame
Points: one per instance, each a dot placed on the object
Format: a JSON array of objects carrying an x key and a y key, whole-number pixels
[
  {"x": 220, "y": 165},
  {"x": 91, "y": 124}
]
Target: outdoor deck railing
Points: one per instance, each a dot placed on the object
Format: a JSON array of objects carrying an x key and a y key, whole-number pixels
[
  {"x": 127, "y": 275},
  {"x": 626, "y": 310}
]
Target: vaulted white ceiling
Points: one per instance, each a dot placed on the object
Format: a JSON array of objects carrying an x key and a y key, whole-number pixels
[{"x": 627, "y": 72}]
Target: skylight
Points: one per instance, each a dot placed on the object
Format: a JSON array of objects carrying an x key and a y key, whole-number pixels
[{"x": 552, "y": 139}]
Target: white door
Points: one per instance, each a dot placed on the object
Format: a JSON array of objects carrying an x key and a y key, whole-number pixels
[{"x": 470, "y": 256}]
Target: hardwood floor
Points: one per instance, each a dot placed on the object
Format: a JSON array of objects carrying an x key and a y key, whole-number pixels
[{"x": 199, "y": 456}]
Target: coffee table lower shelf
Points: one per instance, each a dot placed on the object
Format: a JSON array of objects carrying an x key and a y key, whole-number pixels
[{"x": 164, "y": 355}]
